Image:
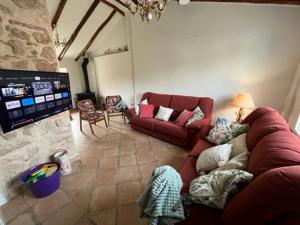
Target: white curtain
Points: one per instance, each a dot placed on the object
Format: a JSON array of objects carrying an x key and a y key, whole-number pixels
[{"x": 291, "y": 111}]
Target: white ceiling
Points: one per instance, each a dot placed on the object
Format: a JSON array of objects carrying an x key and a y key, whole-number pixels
[{"x": 72, "y": 14}]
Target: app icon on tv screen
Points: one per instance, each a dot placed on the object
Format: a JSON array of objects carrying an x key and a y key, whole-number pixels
[
  {"x": 27, "y": 101},
  {"x": 65, "y": 94},
  {"x": 42, "y": 88}
]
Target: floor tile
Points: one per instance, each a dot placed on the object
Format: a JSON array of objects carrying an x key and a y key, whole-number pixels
[
  {"x": 107, "y": 177},
  {"x": 104, "y": 217},
  {"x": 126, "y": 150},
  {"x": 103, "y": 197},
  {"x": 130, "y": 173},
  {"x": 145, "y": 157},
  {"x": 129, "y": 214},
  {"x": 76, "y": 182},
  {"x": 147, "y": 169},
  {"x": 143, "y": 147},
  {"x": 127, "y": 160},
  {"x": 110, "y": 152},
  {"x": 13, "y": 208},
  {"x": 108, "y": 163},
  {"x": 50, "y": 205},
  {"x": 81, "y": 199},
  {"x": 23, "y": 219},
  {"x": 135, "y": 189},
  {"x": 68, "y": 215}
]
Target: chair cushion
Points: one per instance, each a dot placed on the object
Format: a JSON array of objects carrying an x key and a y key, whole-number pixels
[
  {"x": 272, "y": 194},
  {"x": 200, "y": 146},
  {"x": 264, "y": 125},
  {"x": 146, "y": 111},
  {"x": 184, "y": 116},
  {"x": 113, "y": 110},
  {"x": 112, "y": 101},
  {"x": 92, "y": 115},
  {"x": 147, "y": 123},
  {"x": 170, "y": 129},
  {"x": 281, "y": 148}
]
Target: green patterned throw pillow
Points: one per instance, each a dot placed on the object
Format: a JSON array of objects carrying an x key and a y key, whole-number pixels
[
  {"x": 224, "y": 130},
  {"x": 197, "y": 115},
  {"x": 213, "y": 190}
]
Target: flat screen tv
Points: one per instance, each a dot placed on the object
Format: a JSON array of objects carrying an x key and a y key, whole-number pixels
[{"x": 30, "y": 96}]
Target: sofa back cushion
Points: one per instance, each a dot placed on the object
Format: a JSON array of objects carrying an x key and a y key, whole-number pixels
[
  {"x": 206, "y": 105},
  {"x": 157, "y": 100},
  {"x": 179, "y": 103},
  {"x": 263, "y": 122},
  {"x": 274, "y": 193},
  {"x": 257, "y": 113},
  {"x": 278, "y": 149}
]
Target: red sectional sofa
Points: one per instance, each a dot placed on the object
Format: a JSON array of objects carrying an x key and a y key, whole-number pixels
[
  {"x": 169, "y": 131},
  {"x": 273, "y": 197}
]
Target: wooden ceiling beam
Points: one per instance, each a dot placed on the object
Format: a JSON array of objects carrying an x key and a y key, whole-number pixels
[
  {"x": 78, "y": 28},
  {"x": 58, "y": 12},
  {"x": 114, "y": 7},
  {"x": 100, "y": 28},
  {"x": 122, "y": 3},
  {"x": 284, "y": 2}
]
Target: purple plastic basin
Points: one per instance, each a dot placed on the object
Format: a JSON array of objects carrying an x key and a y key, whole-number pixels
[{"x": 46, "y": 186}]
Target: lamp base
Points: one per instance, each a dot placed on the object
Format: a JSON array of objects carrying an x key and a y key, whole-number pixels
[{"x": 240, "y": 115}]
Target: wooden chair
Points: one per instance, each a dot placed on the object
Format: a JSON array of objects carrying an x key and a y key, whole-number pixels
[
  {"x": 112, "y": 111},
  {"x": 88, "y": 112}
]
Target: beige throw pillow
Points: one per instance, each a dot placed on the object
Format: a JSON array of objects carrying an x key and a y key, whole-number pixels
[
  {"x": 213, "y": 157},
  {"x": 239, "y": 145}
]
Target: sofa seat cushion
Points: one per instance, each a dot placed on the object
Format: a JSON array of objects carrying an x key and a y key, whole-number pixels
[
  {"x": 188, "y": 173},
  {"x": 200, "y": 146},
  {"x": 279, "y": 149},
  {"x": 202, "y": 215},
  {"x": 147, "y": 123},
  {"x": 171, "y": 129},
  {"x": 268, "y": 122}
]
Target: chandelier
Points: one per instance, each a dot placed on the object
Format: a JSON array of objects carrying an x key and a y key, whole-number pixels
[
  {"x": 147, "y": 8},
  {"x": 56, "y": 40}
]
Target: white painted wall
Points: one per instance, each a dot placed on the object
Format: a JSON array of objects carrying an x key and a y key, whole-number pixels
[
  {"x": 114, "y": 76},
  {"x": 217, "y": 50},
  {"x": 75, "y": 75}
]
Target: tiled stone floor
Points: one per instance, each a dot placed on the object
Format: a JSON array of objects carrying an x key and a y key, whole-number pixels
[{"x": 103, "y": 189}]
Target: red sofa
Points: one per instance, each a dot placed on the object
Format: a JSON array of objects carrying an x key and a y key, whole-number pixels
[
  {"x": 169, "y": 131},
  {"x": 273, "y": 197}
]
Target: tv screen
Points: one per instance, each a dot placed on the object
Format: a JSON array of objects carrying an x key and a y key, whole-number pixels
[{"x": 29, "y": 96}]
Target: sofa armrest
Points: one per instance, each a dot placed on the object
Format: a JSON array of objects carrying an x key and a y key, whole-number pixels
[
  {"x": 202, "y": 126},
  {"x": 272, "y": 194},
  {"x": 199, "y": 124},
  {"x": 131, "y": 112}
]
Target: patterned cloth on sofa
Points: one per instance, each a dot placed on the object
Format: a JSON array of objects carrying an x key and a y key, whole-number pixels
[{"x": 161, "y": 202}]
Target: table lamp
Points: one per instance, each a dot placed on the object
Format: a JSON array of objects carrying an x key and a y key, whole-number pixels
[{"x": 244, "y": 101}]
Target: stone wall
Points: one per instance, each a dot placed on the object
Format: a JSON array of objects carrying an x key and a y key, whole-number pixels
[{"x": 26, "y": 43}]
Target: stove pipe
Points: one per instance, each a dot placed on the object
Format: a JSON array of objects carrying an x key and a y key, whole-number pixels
[{"x": 85, "y": 73}]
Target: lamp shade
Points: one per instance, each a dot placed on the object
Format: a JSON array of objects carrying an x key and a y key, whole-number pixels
[{"x": 243, "y": 100}]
